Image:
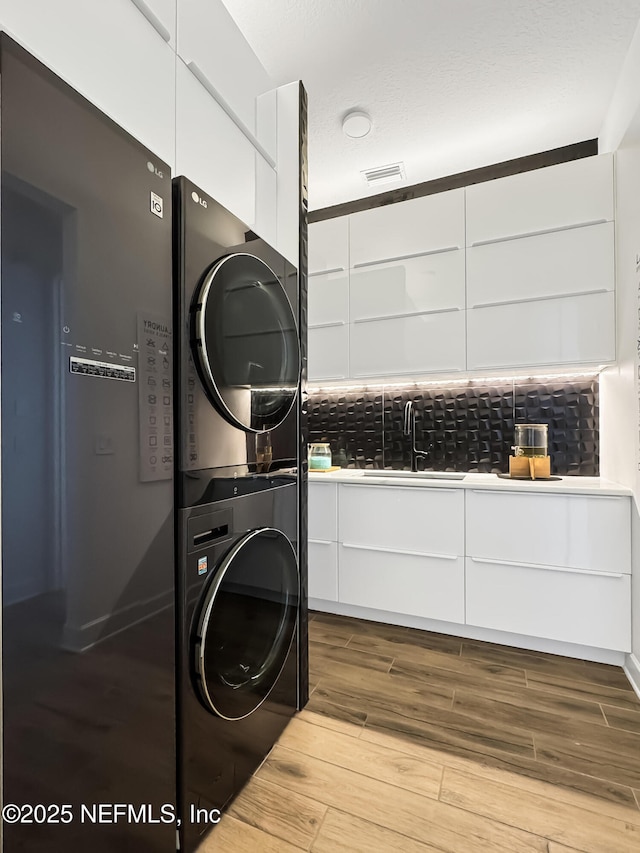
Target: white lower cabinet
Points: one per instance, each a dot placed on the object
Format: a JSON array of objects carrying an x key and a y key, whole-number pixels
[
  {"x": 591, "y": 532},
  {"x": 322, "y": 546},
  {"x": 414, "y": 584},
  {"x": 401, "y": 550},
  {"x": 556, "y": 603},
  {"x": 323, "y": 570},
  {"x": 419, "y": 520},
  {"x": 550, "y": 566}
]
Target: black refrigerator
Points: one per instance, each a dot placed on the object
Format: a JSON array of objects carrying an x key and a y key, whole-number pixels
[{"x": 88, "y": 629}]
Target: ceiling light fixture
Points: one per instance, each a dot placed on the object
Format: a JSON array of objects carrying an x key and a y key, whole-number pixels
[{"x": 356, "y": 124}]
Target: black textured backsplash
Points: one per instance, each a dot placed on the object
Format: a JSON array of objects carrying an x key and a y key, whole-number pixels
[{"x": 465, "y": 427}]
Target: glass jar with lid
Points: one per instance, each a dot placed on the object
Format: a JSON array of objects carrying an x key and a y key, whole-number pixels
[
  {"x": 319, "y": 456},
  {"x": 531, "y": 440}
]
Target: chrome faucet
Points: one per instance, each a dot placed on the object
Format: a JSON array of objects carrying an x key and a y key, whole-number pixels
[{"x": 409, "y": 429}]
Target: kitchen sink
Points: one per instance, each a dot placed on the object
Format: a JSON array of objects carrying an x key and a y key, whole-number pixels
[{"x": 420, "y": 475}]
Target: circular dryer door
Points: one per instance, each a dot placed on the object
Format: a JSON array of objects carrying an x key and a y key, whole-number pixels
[
  {"x": 246, "y": 624},
  {"x": 245, "y": 342}
]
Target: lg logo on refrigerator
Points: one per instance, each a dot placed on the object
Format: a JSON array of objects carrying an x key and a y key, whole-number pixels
[
  {"x": 153, "y": 169},
  {"x": 202, "y": 202}
]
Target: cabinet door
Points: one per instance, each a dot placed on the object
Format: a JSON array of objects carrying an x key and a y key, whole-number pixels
[
  {"x": 323, "y": 511},
  {"x": 211, "y": 151},
  {"x": 288, "y": 159},
  {"x": 328, "y": 295},
  {"x": 266, "y": 217},
  {"x": 323, "y": 570},
  {"x": 566, "y": 330},
  {"x": 587, "y": 532},
  {"x": 574, "y": 261},
  {"x": 267, "y": 122},
  {"x": 430, "y": 283},
  {"x": 161, "y": 14},
  {"x": 110, "y": 54},
  {"x": 418, "y": 519},
  {"x": 266, "y": 200},
  {"x": 329, "y": 245},
  {"x": 431, "y": 587},
  {"x": 572, "y": 606},
  {"x": 328, "y": 349},
  {"x": 407, "y": 228},
  {"x": 423, "y": 343},
  {"x": 323, "y": 532},
  {"x": 210, "y": 41},
  {"x": 574, "y": 193}
]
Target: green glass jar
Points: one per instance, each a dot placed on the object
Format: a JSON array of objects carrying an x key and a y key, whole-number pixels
[{"x": 319, "y": 456}]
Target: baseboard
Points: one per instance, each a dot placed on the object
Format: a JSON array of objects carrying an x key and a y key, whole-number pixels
[
  {"x": 470, "y": 632},
  {"x": 632, "y": 670}
]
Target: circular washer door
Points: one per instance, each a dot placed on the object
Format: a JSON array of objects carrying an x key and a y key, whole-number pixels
[
  {"x": 246, "y": 624},
  {"x": 245, "y": 342}
]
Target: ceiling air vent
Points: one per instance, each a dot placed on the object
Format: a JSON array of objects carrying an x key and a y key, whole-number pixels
[{"x": 384, "y": 174}]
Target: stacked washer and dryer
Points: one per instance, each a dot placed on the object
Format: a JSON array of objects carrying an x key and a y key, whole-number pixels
[
  {"x": 90, "y": 599},
  {"x": 239, "y": 600}
]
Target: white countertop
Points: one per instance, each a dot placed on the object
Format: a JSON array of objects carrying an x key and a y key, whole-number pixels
[{"x": 565, "y": 485}]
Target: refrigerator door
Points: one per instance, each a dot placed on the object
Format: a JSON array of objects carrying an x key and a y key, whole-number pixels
[{"x": 87, "y": 461}]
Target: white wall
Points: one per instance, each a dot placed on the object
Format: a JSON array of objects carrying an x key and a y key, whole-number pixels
[
  {"x": 620, "y": 401},
  {"x": 620, "y": 386}
]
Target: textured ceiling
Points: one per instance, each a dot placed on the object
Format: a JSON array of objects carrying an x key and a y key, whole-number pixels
[{"x": 450, "y": 85}]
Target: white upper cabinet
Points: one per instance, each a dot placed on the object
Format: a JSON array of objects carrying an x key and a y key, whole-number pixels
[
  {"x": 415, "y": 227},
  {"x": 111, "y": 54},
  {"x": 266, "y": 215},
  {"x": 288, "y": 151},
  {"x": 328, "y": 297},
  {"x": 214, "y": 49},
  {"x": 328, "y": 348},
  {"x": 421, "y": 343},
  {"x": 561, "y": 196},
  {"x": 540, "y": 267},
  {"x": 429, "y": 283},
  {"x": 211, "y": 151},
  {"x": 265, "y": 221},
  {"x": 535, "y": 285},
  {"x": 567, "y": 330},
  {"x": 161, "y": 14},
  {"x": 329, "y": 245},
  {"x": 328, "y": 294},
  {"x": 329, "y": 272},
  {"x": 407, "y": 288},
  {"x": 580, "y": 260}
]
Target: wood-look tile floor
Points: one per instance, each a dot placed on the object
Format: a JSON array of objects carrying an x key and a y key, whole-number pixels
[{"x": 420, "y": 742}]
